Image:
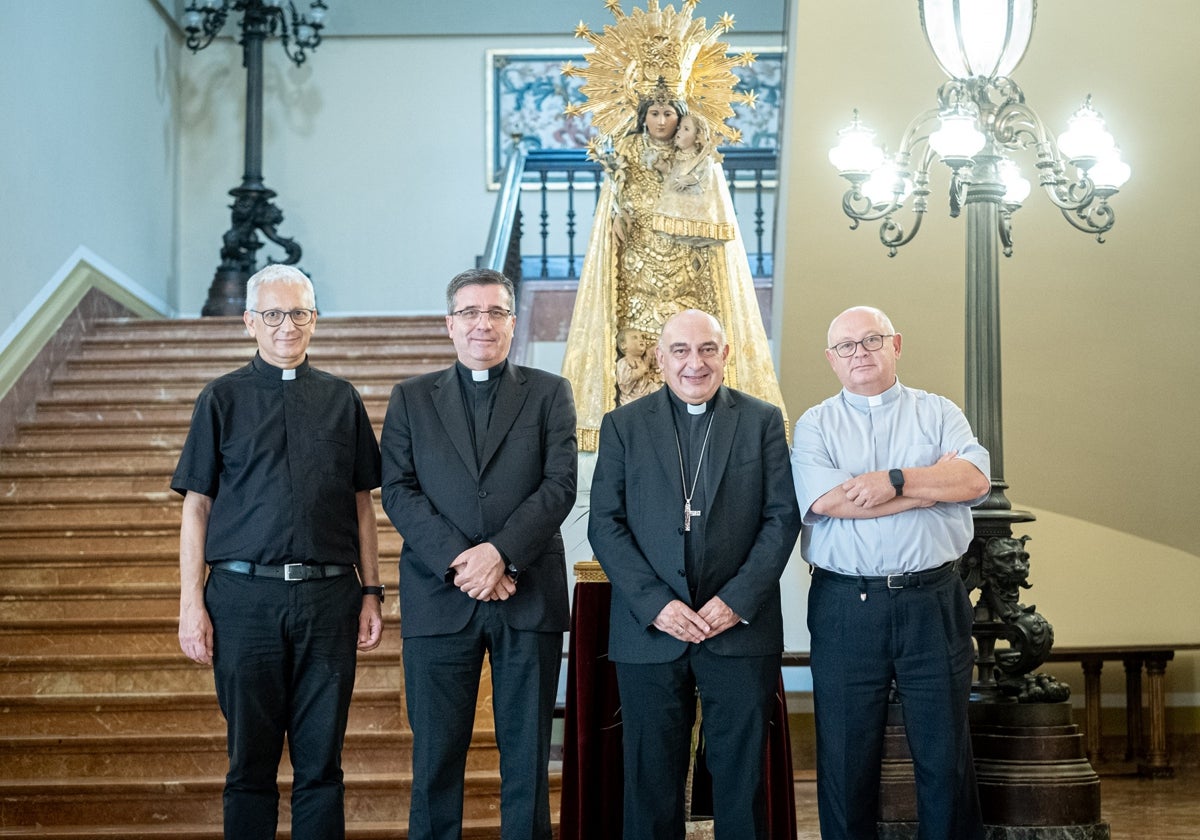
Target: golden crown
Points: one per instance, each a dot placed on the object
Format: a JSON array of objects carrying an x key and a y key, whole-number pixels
[{"x": 662, "y": 56}]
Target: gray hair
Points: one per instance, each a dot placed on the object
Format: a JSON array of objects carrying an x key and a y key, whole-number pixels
[
  {"x": 284, "y": 275},
  {"x": 479, "y": 277}
]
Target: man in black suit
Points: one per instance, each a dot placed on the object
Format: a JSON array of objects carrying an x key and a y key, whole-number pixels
[
  {"x": 479, "y": 464},
  {"x": 693, "y": 518}
]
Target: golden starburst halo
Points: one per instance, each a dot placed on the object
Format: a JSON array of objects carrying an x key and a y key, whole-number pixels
[{"x": 659, "y": 53}]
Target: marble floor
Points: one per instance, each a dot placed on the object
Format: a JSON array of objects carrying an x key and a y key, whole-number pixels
[{"x": 1134, "y": 808}]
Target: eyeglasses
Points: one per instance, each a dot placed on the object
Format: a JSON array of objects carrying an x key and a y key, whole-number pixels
[
  {"x": 471, "y": 314},
  {"x": 274, "y": 317},
  {"x": 871, "y": 343}
]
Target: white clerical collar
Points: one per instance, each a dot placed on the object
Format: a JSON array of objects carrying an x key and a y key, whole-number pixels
[
  {"x": 471, "y": 375},
  {"x": 697, "y": 409},
  {"x": 863, "y": 403},
  {"x": 289, "y": 374}
]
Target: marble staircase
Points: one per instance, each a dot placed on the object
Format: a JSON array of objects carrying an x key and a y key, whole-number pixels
[{"x": 106, "y": 729}]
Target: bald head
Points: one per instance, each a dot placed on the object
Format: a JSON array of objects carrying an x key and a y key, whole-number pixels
[{"x": 882, "y": 320}]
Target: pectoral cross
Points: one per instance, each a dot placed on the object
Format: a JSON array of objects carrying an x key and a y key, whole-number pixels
[{"x": 688, "y": 513}]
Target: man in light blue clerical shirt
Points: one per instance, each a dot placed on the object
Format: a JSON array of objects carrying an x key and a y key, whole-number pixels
[{"x": 885, "y": 476}]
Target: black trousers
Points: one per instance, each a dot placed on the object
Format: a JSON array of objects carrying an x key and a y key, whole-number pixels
[
  {"x": 441, "y": 687},
  {"x": 921, "y": 637},
  {"x": 658, "y": 707},
  {"x": 284, "y": 658}
]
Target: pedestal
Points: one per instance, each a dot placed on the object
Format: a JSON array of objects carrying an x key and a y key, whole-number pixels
[
  {"x": 593, "y": 773},
  {"x": 1035, "y": 783}
]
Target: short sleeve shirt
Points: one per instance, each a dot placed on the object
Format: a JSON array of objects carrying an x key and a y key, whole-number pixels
[
  {"x": 283, "y": 460},
  {"x": 848, "y": 435}
]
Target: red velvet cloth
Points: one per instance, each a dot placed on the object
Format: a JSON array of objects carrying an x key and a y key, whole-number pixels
[{"x": 593, "y": 778}]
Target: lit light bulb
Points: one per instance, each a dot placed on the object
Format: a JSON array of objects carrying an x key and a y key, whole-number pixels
[
  {"x": 856, "y": 152},
  {"x": 957, "y": 139},
  {"x": 1086, "y": 139},
  {"x": 1016, "y": 186}
]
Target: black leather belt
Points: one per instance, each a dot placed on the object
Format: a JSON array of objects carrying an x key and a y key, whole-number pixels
[
  {"x": 293, "y": 572},
  {"x": 902, "y": 580}
]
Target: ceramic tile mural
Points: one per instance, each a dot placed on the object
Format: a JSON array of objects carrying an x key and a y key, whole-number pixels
[{"x": 527, "y": 94}]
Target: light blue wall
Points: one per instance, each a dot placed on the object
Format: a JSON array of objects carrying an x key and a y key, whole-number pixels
[{"x": 90, "y": 149}]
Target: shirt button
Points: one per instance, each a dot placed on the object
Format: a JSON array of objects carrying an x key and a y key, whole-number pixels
[
  {"x": 483, "y": 494},
  {"x": 683, "y": 573}
]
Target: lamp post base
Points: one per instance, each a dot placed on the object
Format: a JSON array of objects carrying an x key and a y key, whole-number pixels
[{"x": 227, "y": 294}]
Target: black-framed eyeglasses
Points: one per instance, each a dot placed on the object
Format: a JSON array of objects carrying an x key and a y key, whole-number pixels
[
  {"x": 871, "y": 343},
  {"x": 472, "y": 314},
  {"x": 274, "y": 317}
]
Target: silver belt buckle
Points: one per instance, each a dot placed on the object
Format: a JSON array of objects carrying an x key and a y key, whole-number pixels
[
  {"x": 293, "y": 571},
  {"x": 902, "y": 583}
]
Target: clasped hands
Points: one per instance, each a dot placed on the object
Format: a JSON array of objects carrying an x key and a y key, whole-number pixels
[
  {"x": 479, "y": 572},
  {"x": 680, "y": 621}
]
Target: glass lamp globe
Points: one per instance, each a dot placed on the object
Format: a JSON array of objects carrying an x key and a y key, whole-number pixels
[
  {"x": 1016, "y": 186},
  {"x": 1110, "y": 173},
  {"x": 973, "y": 38},
  {"x": 957, "y": 139},
  {"x": 1086, "y": 139},
  {"x": 856, "y": 152}
]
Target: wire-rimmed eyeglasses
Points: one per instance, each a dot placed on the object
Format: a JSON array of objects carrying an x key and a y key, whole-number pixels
[
  {"x": 472, "y": 314},
  {"x": 870, "y": 343},
  {"x": 274, "y": 317}
]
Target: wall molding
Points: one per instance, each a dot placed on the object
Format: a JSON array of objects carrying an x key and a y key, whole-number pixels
[{"x": 44, "y": 316}]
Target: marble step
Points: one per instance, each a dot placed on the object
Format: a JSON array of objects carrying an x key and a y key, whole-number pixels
[
  {"x": 120, "y": 629},
  {"x": 486, "y": 828},
  {"x": 99, "y": 558},
  {"x": 141, "y": 673},
  {"x": 166, "y": 331},
  {"x": 172, "y": 755},
  {"x": 237, "y": 350},
  {"x": 15, "y": 463},
  {"x": 198, "y": 372},
  {"x": 381, "y": 798},
  {"x": 140, "y": 415},
  {"x": 35, "y": 518},
  {"x": 115, "y": 390},
  {"x": 64, "y": 715}
]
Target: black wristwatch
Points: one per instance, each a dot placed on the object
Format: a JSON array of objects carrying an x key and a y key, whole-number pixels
[
  {"x": 897, "y": 479},
  {"x": 374, "y": 590}
]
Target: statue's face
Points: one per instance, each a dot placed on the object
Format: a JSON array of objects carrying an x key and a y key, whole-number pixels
[
  {"x": 661, "y": 121},
  {"x": 1008, "y": 565}
]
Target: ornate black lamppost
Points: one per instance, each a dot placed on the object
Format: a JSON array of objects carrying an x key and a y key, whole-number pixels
[
  {"x": 252, "y": 209},
  {"x": 980, "y": 124}
]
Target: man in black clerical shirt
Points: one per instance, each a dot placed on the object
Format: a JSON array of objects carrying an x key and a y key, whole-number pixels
[
  {"x": 278, "y": 560},
  {"x": 479, "y": 465},
  {"x": 693, "y": 518}
]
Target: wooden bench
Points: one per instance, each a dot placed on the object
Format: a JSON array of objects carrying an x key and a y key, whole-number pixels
[{"x": 1150, "y": 752}]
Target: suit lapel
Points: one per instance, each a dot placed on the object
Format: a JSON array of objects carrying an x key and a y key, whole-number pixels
[
  {"x": 660, "y": 425},
  {"x": 724, "y": 429},
  {"x": 448, "y": 402},
  {"x": 510, "y": 399}
]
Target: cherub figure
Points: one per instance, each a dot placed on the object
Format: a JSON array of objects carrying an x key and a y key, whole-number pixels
[{"x": 635, "y": 375}]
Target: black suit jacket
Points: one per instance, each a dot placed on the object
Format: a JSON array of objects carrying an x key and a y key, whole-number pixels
[
  {"x": 442, "y": 503},
  {"x": 750, "y": 527}
]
